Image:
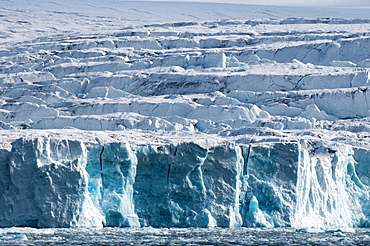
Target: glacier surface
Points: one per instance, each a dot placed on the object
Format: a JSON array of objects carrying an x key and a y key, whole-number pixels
[{"x": 183, "y": 121}]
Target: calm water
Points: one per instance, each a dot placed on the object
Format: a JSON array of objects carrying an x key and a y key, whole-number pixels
[{"x": 189, "y": 237}]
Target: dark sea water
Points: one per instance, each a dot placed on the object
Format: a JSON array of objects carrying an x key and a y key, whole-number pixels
[{"x": 188, "y": 236}]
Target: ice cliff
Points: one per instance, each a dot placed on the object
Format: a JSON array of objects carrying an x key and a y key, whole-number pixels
[
  {"x": 51, "y": 182},
  {"x": 109, "y": 121}
]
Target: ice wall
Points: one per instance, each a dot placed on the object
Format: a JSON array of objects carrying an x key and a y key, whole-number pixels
[
  {"x": 307, "y": 184},
  {"x": 271, "y": 170},
  {"x": 188, "y": 186},
  {"x": 44, "y": 184},
  {"x": 48, "y": 182},
  {"x": 112, "y": 170}
]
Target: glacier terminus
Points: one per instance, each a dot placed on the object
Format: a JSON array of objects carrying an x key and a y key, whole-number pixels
[
  {"x": 54, "y": 182},
  {"x": 241, "y": 121}
]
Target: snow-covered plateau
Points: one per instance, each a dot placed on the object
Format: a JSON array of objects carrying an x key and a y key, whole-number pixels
[{"x": 219, "y": 121}]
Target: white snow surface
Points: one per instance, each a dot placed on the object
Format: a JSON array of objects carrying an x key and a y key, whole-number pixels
[{"x": 162, "y": 114}]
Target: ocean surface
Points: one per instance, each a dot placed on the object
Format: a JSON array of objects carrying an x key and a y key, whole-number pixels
[{"x": 183, "y": 236}]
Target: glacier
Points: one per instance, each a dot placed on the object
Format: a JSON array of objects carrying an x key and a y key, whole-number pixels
[{"x": 183, "y": 120}]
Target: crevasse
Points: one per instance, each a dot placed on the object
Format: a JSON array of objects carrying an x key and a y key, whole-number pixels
[{"x": 47, "y": 182}]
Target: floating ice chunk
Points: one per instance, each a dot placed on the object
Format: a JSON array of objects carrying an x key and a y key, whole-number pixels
[
  {"x": 311, "y": 230},
  {"x": 341, "y": 229},
  {"x": 339, "y": 234},
  {"x": 21, "y": 237}
]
